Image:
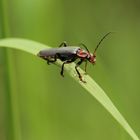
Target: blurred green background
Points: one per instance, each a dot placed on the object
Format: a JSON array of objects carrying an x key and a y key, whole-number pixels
[{"x": 36, "y": 103}]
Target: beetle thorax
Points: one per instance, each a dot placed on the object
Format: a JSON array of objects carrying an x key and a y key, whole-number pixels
[
  {"x": 86, "y": 55},
  {"x": 82, "y": 54}
]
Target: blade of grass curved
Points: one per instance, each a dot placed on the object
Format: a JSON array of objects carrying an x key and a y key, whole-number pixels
[
  {"x": 91, "y": 86},
  {"x": 23, "y": 45}
]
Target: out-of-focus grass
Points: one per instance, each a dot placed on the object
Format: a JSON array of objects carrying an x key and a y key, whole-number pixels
[{"x": 61, "y": 115}]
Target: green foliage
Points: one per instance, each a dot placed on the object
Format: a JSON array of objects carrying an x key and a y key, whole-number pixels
[
  {"x": 36, "y": 102},
  {"x": 90, "y": 85}
]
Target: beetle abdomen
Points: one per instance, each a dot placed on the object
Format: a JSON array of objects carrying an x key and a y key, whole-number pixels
[{"x": 63, "y": 51}]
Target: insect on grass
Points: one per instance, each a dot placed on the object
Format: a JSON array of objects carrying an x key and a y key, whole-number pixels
[{"x": 68, "y": 54}]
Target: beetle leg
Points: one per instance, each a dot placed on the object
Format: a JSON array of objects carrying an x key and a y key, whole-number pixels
[
  {"x": 85, "y": 67},
  {"x": 62, "y": 69},
  {"x": 77, "y": 65},
  {"x": 63, "y": 44},
  {"x": 52, "y": 61},
  {"x": 66, "y": 62}
]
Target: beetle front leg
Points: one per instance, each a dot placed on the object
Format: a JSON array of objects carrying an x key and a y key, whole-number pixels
[
  {"x": 63, "y": 44},
  {"x": 80, "y": 76}
]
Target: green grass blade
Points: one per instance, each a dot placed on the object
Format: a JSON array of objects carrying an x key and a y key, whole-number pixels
[
  {"x": 91, "y": 86},
  {"x": 23, "y": 45}
]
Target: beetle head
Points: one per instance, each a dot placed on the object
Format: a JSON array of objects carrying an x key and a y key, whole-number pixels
[
  {"x": 89, "y": 56},
  {"x": 92, "y": 58}
]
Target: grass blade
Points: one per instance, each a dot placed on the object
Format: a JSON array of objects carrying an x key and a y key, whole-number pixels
[{"x": 91, "y": 86}]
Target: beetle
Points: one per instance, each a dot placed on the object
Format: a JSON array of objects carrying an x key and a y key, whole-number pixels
[{"x": 69, "y": 54}]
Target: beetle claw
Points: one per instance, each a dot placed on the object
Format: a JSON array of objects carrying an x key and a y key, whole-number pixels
[
  {"x": 48, "y": 62},
  {"x": 62, "y": 74},
  {"x": 83, "y": 81}
]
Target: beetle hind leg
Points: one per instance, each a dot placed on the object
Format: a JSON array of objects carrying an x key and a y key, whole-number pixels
[{"x": 52, "y": 61}]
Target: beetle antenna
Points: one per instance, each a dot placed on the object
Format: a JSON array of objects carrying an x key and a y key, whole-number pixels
[
  {"x": 100, "y": 42},
  {"x": 84, "y": 47}
]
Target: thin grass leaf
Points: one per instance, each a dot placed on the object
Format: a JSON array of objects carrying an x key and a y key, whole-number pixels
[{"x": 91, "y": 86}]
